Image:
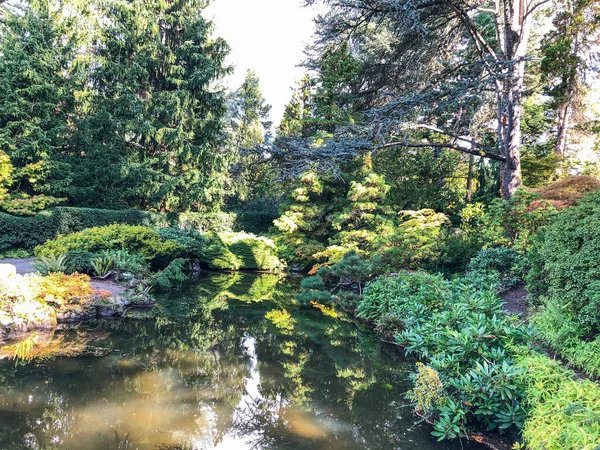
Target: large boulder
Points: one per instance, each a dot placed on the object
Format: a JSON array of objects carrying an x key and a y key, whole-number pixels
[{"x": 6, "y": 270}]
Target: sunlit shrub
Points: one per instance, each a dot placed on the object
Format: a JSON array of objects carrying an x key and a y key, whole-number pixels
[
  {"x": 252, "y": 251},
  {"x": 61, "y": 289},
  {"x": 134, "y": 238},
  {"x": 564, "y": 413},
  {"x": 428, "y": 391}
]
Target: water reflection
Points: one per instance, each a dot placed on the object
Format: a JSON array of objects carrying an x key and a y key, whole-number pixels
[{"x": 230, "y": 364}]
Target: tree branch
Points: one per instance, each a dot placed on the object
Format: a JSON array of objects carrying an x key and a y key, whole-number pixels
[{"x": 469, "y": 151}]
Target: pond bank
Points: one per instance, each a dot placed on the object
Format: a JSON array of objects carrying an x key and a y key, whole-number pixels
[{"x": 41, "y": 303}]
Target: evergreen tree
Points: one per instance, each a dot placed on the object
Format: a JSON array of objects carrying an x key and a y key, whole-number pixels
[
  {"x": 249, "y": 127},
  {"x": 569, "y": 53},
  {"x": 37, "y": 96},
  {"x": 367, "y": 217},
  {"x": 155, "y": 114}
]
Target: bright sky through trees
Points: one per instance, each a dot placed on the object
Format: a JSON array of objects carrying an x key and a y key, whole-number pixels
[{"x": 268, "y": 36}]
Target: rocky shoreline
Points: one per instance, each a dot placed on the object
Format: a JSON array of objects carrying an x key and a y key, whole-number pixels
[{"x": 107, "y": 300}]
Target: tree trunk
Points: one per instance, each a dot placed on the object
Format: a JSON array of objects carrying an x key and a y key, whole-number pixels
[
  {"x": 562, "y": 128},
  {"x": 469, "y": 195},
  {"x": 515, "y": 36}
]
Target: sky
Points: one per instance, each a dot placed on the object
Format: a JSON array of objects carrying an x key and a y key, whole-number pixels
[{"x": 268, "y": 36}]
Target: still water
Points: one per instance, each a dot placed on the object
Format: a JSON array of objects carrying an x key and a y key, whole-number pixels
[{"x": 229, "y": 363}]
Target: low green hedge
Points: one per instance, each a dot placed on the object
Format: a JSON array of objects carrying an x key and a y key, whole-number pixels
[
  {"x": 137, "y": 239},
  {"x": 19, "y": 232},
  {"x": 223, "y": 251}
]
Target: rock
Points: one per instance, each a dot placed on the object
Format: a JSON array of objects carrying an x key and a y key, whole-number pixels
[{"x": 7, "y": 269}]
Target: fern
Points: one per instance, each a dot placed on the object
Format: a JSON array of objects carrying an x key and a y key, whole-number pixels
[
  {"x": 50, "y": 264},
  {"x": 103, "y": 265},
  {"x": 171, "y": 277}
]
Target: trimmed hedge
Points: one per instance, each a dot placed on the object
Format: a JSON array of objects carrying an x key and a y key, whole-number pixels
[{"x": 18, "y": 232}]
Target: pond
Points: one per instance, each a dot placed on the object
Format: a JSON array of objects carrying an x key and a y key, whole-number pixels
[{"x": 229, "y": 363}]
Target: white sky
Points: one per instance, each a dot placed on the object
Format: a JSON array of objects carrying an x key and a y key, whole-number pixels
[{"x": 268, "y": 36}]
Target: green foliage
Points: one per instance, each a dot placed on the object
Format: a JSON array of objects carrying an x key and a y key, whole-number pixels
[
  {"x": 129, "y": 263},
  {"x": 27, "y": 205},
  {"x": 256, "y": 216},
  {"x": 564, "y": 413},
  {"x": 38, "y": 80},
  {"x": 191, "y": 241},
  {"x": 253, "y": 252},
  {"x": 567, "y": 337},
  {"x": 417, "y": 241},
  {"x": 134, "y": 238},
  {"x": 171, "y": 277},
  {"x": 51, "y": 264},
  {"x": 460, "y": 328},
  {"x": 515, "y": 222},
  {"x": 427, "y": 393},
  {"x": 347, "y": 275},
  {"x": 14, "y": 253},
  {"x": 565, "y": 264},
  {"x": 502, "y": 262},
  {"x": 27, "y": 232},
  {"x": 103, "y": 264},
  {"x": 400, "y": 293}
]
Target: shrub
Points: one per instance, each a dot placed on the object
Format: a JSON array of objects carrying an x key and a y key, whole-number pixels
[
  {"x": 397, "y": 294},
  {"x": 566, "y": 264},
  {"x": 188, "y": 239},
  {"x": 217, "y": 255},
  {"x": 417, "y": 241},
  {"x": 133, "y": 238},
  {"x": 427, "y": 393},
  {"x": 297, "y": 250},
  {"x": 564, "y": 335},
  {"x": 515, "y": 222},
  {"x": 502, "y": 262},
  {"x": 461, "y": 330},
  {"x": 172, "y": 276},
  {"x": 563, "y": 413},
  {"x": 345, "y": 278},
  {"x": 50, "y": 264},
  {"x": 468, "y": 341},
  {"x": 28, "y": 232},
  {"x": 568, "y": 191},
  {"x": 61, "y": 289},
  {"x": 79, "y": 261},
  {"x": 253, "y": 252}
]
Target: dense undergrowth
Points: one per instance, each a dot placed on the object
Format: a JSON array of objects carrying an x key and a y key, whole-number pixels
[{"x": 481, "y": 369}]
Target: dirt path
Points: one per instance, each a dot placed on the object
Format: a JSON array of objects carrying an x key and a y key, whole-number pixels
[
  {"x": 24, "y": 267},
  {"x": 516, "y": 301}
]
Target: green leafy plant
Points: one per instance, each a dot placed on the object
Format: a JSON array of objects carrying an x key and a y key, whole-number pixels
[
  {"x": 145, "y": 241},
  {"x": 103, "y": 264},
  {"x": 51, "y": 264},
  {"x": 563, "y": 412},
  {"x": 172, "y": 276}
]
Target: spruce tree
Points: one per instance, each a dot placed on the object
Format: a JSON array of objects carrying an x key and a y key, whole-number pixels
[
  {"x": 37, "y": 96},
  {"x": 156, "y": 111}
]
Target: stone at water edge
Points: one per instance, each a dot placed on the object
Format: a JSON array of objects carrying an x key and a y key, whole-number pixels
[{"x": 7, "y": 269}]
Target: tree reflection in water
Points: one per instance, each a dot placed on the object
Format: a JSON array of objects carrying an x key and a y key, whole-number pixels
[{"x": 230, "y": 362}]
